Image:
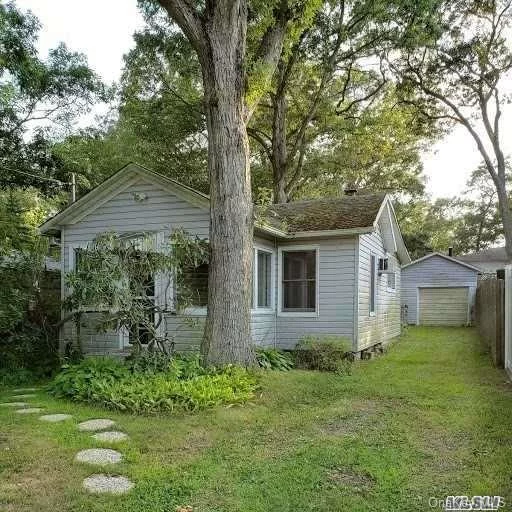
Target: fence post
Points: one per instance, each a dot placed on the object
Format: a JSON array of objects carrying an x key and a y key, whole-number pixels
[{"x": 508, "y": 319}]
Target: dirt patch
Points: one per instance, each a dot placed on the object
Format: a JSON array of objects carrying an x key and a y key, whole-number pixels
[
  {"x": 196, "y": 442},
  {"x": 360, "y": 416},
  {"x": 346, "y": 477}
]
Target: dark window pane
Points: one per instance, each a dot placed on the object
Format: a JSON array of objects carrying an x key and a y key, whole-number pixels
[
  {"x": 373, "y": 287},
  {"x": 195, "y": 285},
  {"x": 264, "y": 279},
  {"x": 299, "y": 281},
  {"x": 299, "y": 265},
  {"x": 78, "y": 256}
]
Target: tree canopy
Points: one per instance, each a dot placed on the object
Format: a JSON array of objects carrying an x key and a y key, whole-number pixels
[{"x": 36, "y": 95}]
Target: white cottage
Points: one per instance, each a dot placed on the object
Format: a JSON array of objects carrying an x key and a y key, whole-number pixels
[{"x": 321, "y": 267}]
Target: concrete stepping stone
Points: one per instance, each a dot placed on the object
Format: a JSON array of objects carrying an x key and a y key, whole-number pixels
[
  {"x": 94, "y": 425},
  {"x": 29, "y": 410},
  {"x": 25, "y": 390},
  {"x": 99, "y": 456},
  {"x": 14, "y": 404},
  {"x": 111, "y": 437},
  {"x": 54, "y": 418},
  {"x": 107, "y": 484},
  {"x": 23, "y": 396}
]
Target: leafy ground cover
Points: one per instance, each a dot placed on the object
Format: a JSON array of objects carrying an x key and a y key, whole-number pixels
[{"x": 430, "y": 418}]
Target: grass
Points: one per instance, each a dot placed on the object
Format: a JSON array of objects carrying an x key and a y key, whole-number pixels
[{"x": 430, "y": 418}]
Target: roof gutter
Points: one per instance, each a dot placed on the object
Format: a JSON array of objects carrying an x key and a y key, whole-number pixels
[{"x": 313, "y": 234}]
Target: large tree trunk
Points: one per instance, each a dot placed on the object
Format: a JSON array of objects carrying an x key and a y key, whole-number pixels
[
  {"x": 227, "y": 335},
  {"x": 279, "y": 149},
  {"x": 506, "y": 215}
]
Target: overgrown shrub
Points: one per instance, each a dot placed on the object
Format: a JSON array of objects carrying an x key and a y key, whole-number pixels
[
  {"x": 138, "y": 388},
  {"x": 143, "y": 394},
  {"x": 81, "y": 381},
  {"x": 31, "y": 348},
  {"x": 16, "y": 377},
  {"x": 273, "y": 359},
  {"x": 180, "y": 366},
  {"x": 324, "y": 353}
]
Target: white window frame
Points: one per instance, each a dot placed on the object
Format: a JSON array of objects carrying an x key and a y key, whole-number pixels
[
  {"x": 299, "y": 314},
  {"x": 159, "y": 240},
  {"x": 373, "y": 290},
  {"x": 256, "y": 309},
  {"x": 193, "y": 310},
  {"x": 391, "y": 267},
  {"x": 390, "y": 288}
]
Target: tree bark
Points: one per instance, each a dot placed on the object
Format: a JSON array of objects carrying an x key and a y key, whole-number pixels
[
  {"x": 279, "y": 145},
  {"x": 505, "y": 213},
  {"x": 227, "y": 335}
]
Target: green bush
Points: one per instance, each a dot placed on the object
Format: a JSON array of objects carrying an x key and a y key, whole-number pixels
[
  {"x": 273, "y": 359},
  {"x": 80, "y": 381},
  {"x": 17, "y": 377},
  {"x": 324, "y": 353},
  {"x": 162, "y": 393},
  {"x": 183, "y": 386},
  {"x": 181, "y": 366},
  {"x": 29, "y": 347}
]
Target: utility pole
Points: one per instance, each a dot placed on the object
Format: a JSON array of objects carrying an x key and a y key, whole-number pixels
[{"x": 72, "y": 197}]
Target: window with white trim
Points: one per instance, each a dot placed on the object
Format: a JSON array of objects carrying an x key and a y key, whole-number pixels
[
  {"x": 391, "y": 277},
  {"x": 263, "y": 273},
  {"x": 373, "y": 283},
  {"x": 299, "y": 281},
  {"x": 195, "y": 286}
]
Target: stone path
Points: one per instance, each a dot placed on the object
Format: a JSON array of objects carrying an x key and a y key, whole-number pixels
[
  {"x": 29, "y": 410},
  {"x": 99, "y": 456},
  {"x": 110, "y": 437},
  {"x": 98, "y": 483},
  {"x": 94, "y": 425},
  {"x": 54, "y": 418},
  {"x": 107, "y": 484}
]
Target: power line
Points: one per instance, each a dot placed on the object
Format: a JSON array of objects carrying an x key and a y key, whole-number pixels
[{"x": 44, "y": 178}]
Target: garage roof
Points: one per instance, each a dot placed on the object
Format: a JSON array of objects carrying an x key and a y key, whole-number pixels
[{"x": 449, "y": 258}]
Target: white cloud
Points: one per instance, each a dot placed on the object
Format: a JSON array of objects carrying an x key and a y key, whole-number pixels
[{"x": 100, "y": 29}]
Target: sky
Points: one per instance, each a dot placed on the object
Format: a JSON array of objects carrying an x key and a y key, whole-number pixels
[{"x": 102, "y": 30}]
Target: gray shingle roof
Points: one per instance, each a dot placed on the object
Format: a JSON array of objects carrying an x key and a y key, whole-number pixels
[
  {"x": 492, "y": 254},
  {"x": 347, "y": 212}
]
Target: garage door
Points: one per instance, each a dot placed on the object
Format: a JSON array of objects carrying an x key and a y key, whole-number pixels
[{"x": 443, "y": 306}]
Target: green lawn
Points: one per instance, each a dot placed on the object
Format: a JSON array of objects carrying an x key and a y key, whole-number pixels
[{"x": 429, "y": 418}]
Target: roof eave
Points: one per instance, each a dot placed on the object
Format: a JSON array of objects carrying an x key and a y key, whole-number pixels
[{"x": 446, "y": 257}]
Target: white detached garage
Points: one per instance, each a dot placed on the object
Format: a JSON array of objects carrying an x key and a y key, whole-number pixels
[{"x": 439, "y": 290}]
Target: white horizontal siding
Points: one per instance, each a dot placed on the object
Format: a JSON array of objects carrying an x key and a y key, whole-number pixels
[
  {"x": 336, "y": 268},
  {"x": 160, "y": 212},
  {"x": 385, "y": 324},
  {"x": 434, "y": 272}
]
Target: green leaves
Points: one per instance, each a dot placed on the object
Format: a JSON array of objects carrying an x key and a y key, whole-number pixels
[
  {"x": 183, "y": 386},
  {"x": 52, "y": 92},
  {"x": 273, "y": 359},
  {"x": 324, "y": 353}
]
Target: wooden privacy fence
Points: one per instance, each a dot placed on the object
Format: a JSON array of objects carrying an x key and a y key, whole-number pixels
[
  {"x": 508, "y": 320},
  {"x": 490, "y": 317}
]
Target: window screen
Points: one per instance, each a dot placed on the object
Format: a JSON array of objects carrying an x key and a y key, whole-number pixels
[{"x": 299, "y": 281}]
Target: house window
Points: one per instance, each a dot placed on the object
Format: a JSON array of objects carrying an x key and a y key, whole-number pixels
[
  {"x": 299, "y": 281},
  {"x": 391, "y": 277},
  {"x": 195, "y": 286},
  {"x": 77, "y": 255},
  {"x": 373, "y": 283},
  {"x": 263, "y": 272}
]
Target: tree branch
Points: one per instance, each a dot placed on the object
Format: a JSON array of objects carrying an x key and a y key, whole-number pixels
[
  {"x": 185, "y": 15},
  {"x": 261, "y": 137}
]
